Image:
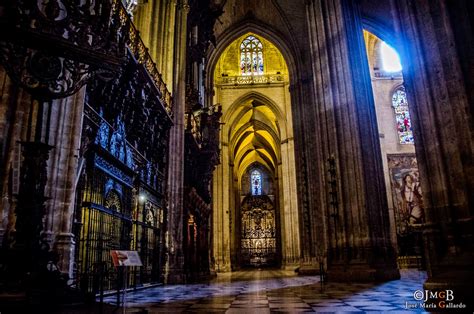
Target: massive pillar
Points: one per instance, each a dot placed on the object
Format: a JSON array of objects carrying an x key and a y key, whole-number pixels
[
  {"x": 12, "y": 113},
  {"x": 288, "y": 197},
  {"x": 221, "y": 193},
  {"x": 354, "y": 205},
  {"x": 289, "y": 207},
  {"x": 174, "y": 269},
  {"x": 38, "y": 180},
  {"x": 65, "y": 131},
  {"x": 310, "y": 177},
  {"x": 438, "y": 57}
]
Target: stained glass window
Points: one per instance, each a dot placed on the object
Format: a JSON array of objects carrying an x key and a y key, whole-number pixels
[
  {"x": 251, "y": 56},
  {"x": 402, "y": 116},
  {"x": 256, "y": 182}
]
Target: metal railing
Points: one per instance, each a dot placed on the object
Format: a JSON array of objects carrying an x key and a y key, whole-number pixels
[{"x": 140, "y": 52}]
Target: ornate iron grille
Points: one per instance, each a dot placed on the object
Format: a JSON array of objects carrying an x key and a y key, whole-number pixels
[
  {"x": 110, "y": 214},
  {"x": 258, "y": 232},
  {"x": 106, "y": 225},
  {"x": 148, "y": 234}
]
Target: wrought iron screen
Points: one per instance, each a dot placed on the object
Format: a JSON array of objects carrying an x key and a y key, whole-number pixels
[
  {"x": 106, "y": 225},
  {"x": 258, "y": 231},
  {"x": 111, "y": 216},
  {"x": 147, "y": 233}
]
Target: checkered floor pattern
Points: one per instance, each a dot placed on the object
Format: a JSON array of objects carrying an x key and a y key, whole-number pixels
[{"x": 270, "y": 291}]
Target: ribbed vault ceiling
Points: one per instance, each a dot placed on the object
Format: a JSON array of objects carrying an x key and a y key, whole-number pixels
[{"x": 255, "y": 137}]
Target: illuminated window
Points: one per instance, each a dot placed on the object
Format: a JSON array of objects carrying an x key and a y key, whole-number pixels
[
  {"x": 402, "y": 116},
  {"x": 256, "y": 182},
  {"x": 251, "y": 56},
  {"x": 390, "y": 59}
]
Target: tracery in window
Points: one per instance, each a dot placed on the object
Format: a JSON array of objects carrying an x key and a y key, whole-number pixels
[
  {"x": 256, "y": 182},
  {"x": 251, "y": 56},
  {"x": 402, "y": 116}
]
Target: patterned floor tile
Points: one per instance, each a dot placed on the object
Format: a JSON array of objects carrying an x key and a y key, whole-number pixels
[
  {"x": 337, "y": 309},
  {"x": 248, "y": 310},
  {"x": 367, "y": 303},
  {"x": 286, "y": 305},
  {"x": 275, "y": 291}
]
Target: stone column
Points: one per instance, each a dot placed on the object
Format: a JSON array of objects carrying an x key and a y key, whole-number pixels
[
  {"x": 149, "y": 20},
  {"x": 221, "y": 209},
  {"x": 175, "y": 263},
  {"x": 288, "y": 206},
  {"x": 172, "y": 34},
  {"x": 288, "y": 197},
  {"x": 65, "y": 132},
  {"x": 10, "y": 122},
  {"x": 312, "y": 224},
  {"x": 437, "y": 77},
  {"x": 355, "y": 206},
  {"x": 15, "y": 110},
  {"x": 23, "y": 248}
]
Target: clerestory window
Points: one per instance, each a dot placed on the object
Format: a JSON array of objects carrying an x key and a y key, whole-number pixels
[
  {"x": 402, "y": 116},
  {"x": 251, "y": 56}
]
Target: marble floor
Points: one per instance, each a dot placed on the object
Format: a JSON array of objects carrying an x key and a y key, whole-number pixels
[{"x": 269, "y": 291}]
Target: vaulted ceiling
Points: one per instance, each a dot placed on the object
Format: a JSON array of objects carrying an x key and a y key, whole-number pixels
[
  {"x": 253, "y": 113},
  {"x": 254, "y": 137}
]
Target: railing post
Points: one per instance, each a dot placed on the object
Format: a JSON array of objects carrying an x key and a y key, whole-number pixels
[{"x": 101, "y": 282}]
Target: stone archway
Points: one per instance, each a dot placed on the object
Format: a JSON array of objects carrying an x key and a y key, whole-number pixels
[{"x": 257, "y": 128}]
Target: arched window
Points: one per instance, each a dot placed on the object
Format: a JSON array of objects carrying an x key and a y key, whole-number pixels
[
  {"x": 390, "y": 59},
  {"x": 256, "y": 182},
  {"x": 402, "y": 116},
  {"x": 251, "y": 56}
]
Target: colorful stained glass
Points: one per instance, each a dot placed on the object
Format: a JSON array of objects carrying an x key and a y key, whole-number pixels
[
  {"x": 402, "y": 116},
  {"x": 256, "y": 182},
  {"x": 251, "y": 56}
]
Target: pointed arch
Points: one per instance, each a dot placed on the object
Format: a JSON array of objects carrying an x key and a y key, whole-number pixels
[
  {"x": 237, "y": 108},
  {"x": 260, "y": 29},
  {"x": 257, "y": 129},
  {"x": 248, "y": 162}
]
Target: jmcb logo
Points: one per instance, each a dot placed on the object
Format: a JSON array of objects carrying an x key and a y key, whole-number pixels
[
  {"x": 426, "y": 295},
  {"x": 439, "y": 299}
]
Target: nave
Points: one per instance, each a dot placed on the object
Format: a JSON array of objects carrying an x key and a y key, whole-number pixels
[
  {"x": 195, "y": 138},
  {"x": 269, "y": 291}
]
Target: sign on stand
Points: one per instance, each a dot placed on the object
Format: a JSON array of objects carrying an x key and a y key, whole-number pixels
[{"x": 123, "y": 260}]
